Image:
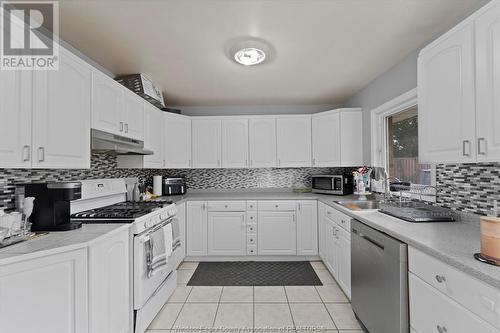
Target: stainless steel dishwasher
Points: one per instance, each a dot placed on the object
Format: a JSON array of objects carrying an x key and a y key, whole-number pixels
[{"x": 379, "y": 278}]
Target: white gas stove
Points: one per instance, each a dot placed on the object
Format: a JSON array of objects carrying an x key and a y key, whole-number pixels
[{"x": 152, "y": 223}]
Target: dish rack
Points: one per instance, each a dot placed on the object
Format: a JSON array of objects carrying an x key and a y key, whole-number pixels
[
  {"x": 414, "y": 191},
  {"x": 21, "y": 235}
]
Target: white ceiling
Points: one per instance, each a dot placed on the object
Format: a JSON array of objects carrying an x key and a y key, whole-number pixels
[{"x": 324, "y": 50}]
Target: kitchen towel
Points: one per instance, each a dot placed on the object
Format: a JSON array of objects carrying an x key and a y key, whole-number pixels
[{"x": 168, "y": 240}]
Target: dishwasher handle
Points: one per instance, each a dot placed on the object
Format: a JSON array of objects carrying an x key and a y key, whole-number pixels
[{"x": 367, "y": 238}]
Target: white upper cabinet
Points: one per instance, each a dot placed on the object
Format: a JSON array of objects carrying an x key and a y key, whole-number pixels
[
  {"x": 133, "y": 115},
  {"x": 446, "y": 98},
  {"x": 326, "y": 139},
  {"x": 177, "y": 141},
  {"x": 153, "y": 136},
  {"x": 488, "y": 85},
  {"x": 294, "y": 141},
  {"x": 235, "y": 143},
  {"x": 61, "y": 115},
  {"x": 15, "y": 119},
  {"x": 337, "y": 138},
  {"x": 116, "y": 109},
  {"x": 262, "y": 145},
  {"x": 206, "y": 142},
  {"x": 107, "y": 104},
  {"x": 351, "y": 138}
]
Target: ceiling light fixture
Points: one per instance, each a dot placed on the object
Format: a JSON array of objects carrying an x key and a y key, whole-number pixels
[{"x": 249, "y": 56}]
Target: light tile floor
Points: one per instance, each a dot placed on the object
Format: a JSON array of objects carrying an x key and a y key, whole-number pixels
[{"x": 300, "y": 309}]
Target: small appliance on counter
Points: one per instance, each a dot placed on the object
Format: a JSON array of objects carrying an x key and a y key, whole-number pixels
[
  {"x": 490, "y": 239},
  {"x": 51, "y": 209},
  {"x": 332, "y": 184},
  {"x": 174, "y": 186}
]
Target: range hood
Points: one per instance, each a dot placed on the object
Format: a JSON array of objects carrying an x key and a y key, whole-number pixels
[{"x": 107, "y": 143}]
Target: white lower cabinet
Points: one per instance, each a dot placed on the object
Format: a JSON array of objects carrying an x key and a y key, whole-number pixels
[
  {"x": 322, "y": 231},
  {"x": 196, "y": 228},
  {"x": 343, "y": 240},
  {"x": 432, "y": 311},
  {"x": 227, "y": 233},
  {"x": 48, "y": 294},
  {"x": 277, "y": 233},
  {"x": 181, "y": 216},
  {"x": 335, "y": 244},
  {"x": 307, "y": 227},
  {"x": 110, "y": 307}
]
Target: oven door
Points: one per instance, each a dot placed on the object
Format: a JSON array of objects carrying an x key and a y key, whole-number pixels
[{"x": 146, "y": 284}]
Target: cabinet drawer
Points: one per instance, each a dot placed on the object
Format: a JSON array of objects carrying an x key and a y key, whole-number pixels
[
  {"x": 471, "y": 293},
  {"x": 251, "y": 227},
  {"x": 251, "y": 239},
  {"x": 251, "y": 250},
  {"x": 432, "y": 311},
  {"x": 252, "y": 217},
  {"x": 339, "y": 218},
  {"x": 226, "y": 206},
  {"x": 251, "y": 205},
  {"x": 281, "y": 205}
]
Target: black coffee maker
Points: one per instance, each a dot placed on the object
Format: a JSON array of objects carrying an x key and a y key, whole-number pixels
[{"x": 51, "y": 210}]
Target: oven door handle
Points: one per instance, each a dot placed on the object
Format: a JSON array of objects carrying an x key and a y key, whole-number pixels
[{"x": 145, "y": 237}]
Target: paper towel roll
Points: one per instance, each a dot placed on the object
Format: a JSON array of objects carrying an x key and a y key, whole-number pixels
[{"x": 157, "y": 188}]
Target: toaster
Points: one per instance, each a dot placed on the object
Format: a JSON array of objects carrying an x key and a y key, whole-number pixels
[{"x": 174, "y": 186}]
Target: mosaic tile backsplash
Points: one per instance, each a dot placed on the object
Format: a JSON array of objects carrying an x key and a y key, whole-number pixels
[
  {"x": 105, "y": 166},
  {"x": 470, "y": 188}
]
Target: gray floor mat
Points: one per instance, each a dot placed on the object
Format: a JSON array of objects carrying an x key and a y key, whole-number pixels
[{"x": 253, "y": 273}]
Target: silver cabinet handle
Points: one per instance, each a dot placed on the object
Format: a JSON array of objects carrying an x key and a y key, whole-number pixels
[
  {"x": 464, "y": 144},
  {"x": 41, "y": 152},
  {"x": 299, "y": 206},
  {"x": 279, "y": 162},
  {"x": 440, "y": 278},
  {"x": 26, "y": 153},
  {"x": 121, "y": 126},
  {"x": 126, "y": 128},
  {"x": 441, "y": 329},
  {"x": 314, "y": 161},
  {"x": 203, "y": 206},
  {"x": 479, "y": 150}
]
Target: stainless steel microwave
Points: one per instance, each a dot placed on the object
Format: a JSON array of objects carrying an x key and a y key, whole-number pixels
[{"x": 332, "y": 184}]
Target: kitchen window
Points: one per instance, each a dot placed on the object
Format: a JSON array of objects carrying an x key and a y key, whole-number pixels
[
  {"x": 394, "y": 137},
  {"x": 402, "y": 148}
]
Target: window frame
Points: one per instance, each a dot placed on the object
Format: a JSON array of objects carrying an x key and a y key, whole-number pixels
[{"x": 379, "y": 130}]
